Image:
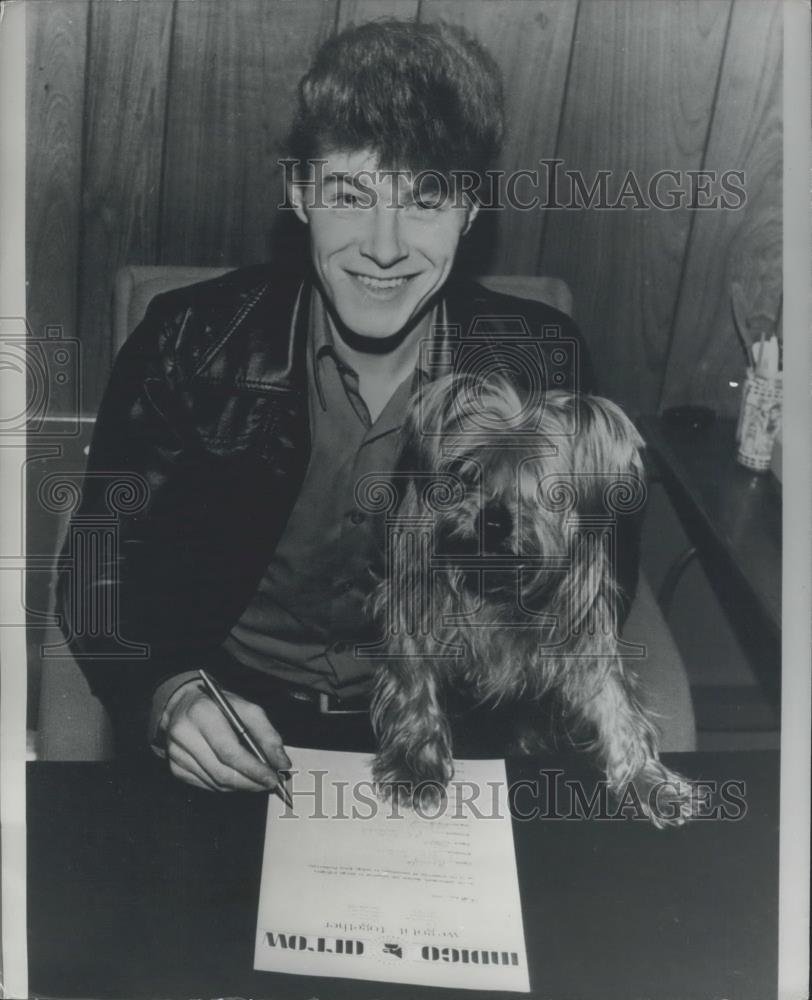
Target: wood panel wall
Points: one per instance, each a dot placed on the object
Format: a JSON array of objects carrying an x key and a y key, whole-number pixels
[
  {"x": 641, "y": 104},
  {"x": 745, "y": 245},
  {"x": 154, "y": 130}
]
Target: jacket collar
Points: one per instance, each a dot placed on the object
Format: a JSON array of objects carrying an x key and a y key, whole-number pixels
[
  {"x": 258, "y": 331},
  {"x": 263, "y": 344}
]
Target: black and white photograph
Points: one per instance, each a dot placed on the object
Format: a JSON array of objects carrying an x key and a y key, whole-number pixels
[{"x": 406, "y": 472}]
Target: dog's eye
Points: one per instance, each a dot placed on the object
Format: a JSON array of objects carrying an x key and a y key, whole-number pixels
[
  {"x": 497, "y": 525},
  {"x": 463, "y": 468}
]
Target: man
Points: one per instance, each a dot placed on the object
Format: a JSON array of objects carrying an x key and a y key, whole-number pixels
[{"x": 253, "y": 404}]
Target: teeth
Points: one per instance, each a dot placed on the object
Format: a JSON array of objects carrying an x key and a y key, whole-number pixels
[{"x": 379, "y": 283}]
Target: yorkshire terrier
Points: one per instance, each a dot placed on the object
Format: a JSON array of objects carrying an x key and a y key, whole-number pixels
[{"x": 501, "y": 582}]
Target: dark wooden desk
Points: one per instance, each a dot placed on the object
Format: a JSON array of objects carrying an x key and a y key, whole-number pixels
[
  {"x": 733, "y": 518},
  {"x": 141, "y": 887}
]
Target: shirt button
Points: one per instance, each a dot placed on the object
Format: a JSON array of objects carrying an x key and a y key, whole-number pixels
[
  {"x": 357, "y": 517},
  {"x": 339, "y": 647},
  {"x": 345, "y": 587}
]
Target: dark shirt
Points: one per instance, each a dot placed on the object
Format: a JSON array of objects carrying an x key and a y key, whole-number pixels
[{"x": 308, "y": 614}]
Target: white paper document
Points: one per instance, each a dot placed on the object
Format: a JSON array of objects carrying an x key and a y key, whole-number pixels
[{"x": 358, "y": 888}]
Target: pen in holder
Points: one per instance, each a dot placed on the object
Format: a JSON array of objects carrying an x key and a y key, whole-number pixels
[
  {"x": 759, "y": 419},
  {"x": 762, "y": 393}
]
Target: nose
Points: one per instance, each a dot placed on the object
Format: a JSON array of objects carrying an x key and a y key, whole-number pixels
[
  {"x": 382, "y": 243},
  {"x": 497, "y": 529}
]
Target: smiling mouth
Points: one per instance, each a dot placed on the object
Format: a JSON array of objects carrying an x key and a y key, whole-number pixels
[{"x": 381, "y": 284}]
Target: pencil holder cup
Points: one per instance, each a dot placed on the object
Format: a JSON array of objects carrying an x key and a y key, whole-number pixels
[{"x": 759, "y": 420}]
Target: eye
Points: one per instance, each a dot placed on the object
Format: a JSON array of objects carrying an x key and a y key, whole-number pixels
[
  {"x": 427, "y": 203},
  {"x": 429, "y": 200},
  {"x": 346, "y": 199},
  {"x": 424, "y": 197},
  {"x": 497, "y": 527}
]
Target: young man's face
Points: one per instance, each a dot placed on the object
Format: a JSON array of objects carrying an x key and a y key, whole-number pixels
[{"x": 380, "y": 248}]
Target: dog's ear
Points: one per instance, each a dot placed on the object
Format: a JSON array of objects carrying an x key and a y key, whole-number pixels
[
  {"x": 606, "y": 440},
  {"x": 607, "y": 454},
  {"x": 435, "y": 404},
  {"x": 586, "y": 599},
  {"x": 427, "y": 418}
]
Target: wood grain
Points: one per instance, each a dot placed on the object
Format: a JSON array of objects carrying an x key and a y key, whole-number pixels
[
  {"x": 235, "y": 69},
  {"x": 530, "y": 40},
  {"x": 358, "y": 11},
  {"x": 56, "y": 42},
  {"x": 640, "y": 99},
  {"x": 743, "y": 245},
  {"x": 186, "y": 119},
  {"x": 124, "y": 122}
]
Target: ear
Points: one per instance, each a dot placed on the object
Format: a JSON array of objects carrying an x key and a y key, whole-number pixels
[
  {"x": 297, "y": 195},
  {"x": 472, "y": 211},
  {"x": 586, "y": 599}
]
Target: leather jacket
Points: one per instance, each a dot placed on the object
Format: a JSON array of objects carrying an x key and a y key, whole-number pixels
[{"x": 205, "y": 422}]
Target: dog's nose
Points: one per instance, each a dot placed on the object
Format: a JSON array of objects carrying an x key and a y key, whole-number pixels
[
  {"x": 488, "y": 532},
  {"x": 497, "y": 528}
]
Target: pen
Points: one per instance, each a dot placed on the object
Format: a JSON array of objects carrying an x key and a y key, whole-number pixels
[
  {"x": 736, "y": 294},
  {"x": 216, "y": 693},
  {"x": 759, "y": 363}
]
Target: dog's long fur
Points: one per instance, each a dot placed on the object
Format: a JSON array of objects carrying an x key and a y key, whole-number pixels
[{"x": 488, "y": 477}]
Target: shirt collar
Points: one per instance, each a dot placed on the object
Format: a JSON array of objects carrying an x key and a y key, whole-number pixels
[{"x": 322, "y": 344}]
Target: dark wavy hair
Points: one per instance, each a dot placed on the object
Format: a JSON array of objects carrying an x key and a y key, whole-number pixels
[{"x": 421, "y": 96}]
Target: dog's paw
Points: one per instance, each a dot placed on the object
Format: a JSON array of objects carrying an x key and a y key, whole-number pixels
[
  {"x": 421, "y": 795},
  {"x": 413, "y": 778},
  {"x": 667, "y": 798}
]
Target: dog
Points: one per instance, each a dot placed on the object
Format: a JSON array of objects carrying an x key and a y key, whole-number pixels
[{"x": 500, "y": 582}]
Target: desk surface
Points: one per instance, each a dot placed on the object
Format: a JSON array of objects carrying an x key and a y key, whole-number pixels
[
  {"x": 738, "y": 510},
  {"x": 139, "y": 886}
]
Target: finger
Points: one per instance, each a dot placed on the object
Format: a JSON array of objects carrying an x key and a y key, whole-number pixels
[
  {"x": 227, "y": 753},
  {"x": 233, "y": 753},
  {"x": 189, "y": 778},
  {"x": 218, "y": 751},
  {"x": 181, "y": 763},
  {"x": 268, "y": 738},
  {"x": 192, "y": 775},
  {"x": 190, "y": 745},
  {"x": 205, "y": 733}
]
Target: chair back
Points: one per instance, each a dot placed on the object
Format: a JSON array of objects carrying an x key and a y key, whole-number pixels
[
  {"x": 553, "y": 292},
  {"x": 136, "y": 285}
]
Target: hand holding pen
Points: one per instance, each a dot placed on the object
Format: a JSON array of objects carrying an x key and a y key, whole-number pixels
[
  {"x": 218, "y": 696},
  {"x": 204, "y": 748}
]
